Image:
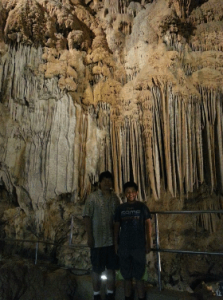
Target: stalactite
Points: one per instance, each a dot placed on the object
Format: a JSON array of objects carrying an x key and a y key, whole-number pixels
[
  {"x": 124, "y": 156},
  {"x": 199, "y": 144},
  {"x": 108, "y": 165},
  {"x": 137, "y": 158},
  {"x": 134, "y": 156},
  {"x": 172, "y": 142},
  {"x": 119, "y": 150},
  {"x": 190, "y": 157},
  {"x": 185, "y": 7},
  {"x": 147, "y": 121},
  {"x": 209, "y": 135},
  {"x": 156, "y": 160},
  {"x": 166, "y": 137},
  {"x": 180, "y": 137},
  {"x": 128, "y": 155},
  {"x": 194, "y": 159},
  {"x": 209, "y": 221},
  {"x": 157, "y": 143},
  {"x": 82, "y": 128},
  {"x": 142, "y": 163},
  {"x": 178, "y": 122},
  {"x": 115, "y": 156},
  {"x": 184, "y": 145},
  {"x": 219, "y": 122}
]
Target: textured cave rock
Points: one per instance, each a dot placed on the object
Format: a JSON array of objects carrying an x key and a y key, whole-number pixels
[
  {"x": 131, "y": 87},
  {"x": 22, "y": 280}
]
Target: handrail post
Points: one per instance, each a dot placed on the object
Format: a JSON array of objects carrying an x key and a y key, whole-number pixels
[
  {"x": 36, "y": 256},
  {"x": 71, "y": 230},
  {"x": 158, "y": 253}
]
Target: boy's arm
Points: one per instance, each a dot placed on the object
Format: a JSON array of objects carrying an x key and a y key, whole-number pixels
[
  {"x": 88, "y": 228},
  {"x": 148, "y": 227},
  {"x": 116, "y": 235}
]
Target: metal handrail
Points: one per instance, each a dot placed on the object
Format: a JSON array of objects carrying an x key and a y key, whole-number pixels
[
  {"x": 187, "y": 252},
  {"x": 44, "y": 242},
  {"x": 158, "y": 250},
  {"x": 37, "y": 242},
  {"x": 187, "y": 212}
]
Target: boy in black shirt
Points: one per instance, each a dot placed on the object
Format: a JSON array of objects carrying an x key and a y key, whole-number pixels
[{"x": 132, "y": 237}]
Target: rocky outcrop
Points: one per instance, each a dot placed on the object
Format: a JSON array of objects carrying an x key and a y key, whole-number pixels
[{"x": 22, "y": 280}]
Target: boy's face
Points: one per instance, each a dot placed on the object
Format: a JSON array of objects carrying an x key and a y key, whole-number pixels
[
  {"x": 131, "y": 194},
  {"x": 106, "y": 184}
]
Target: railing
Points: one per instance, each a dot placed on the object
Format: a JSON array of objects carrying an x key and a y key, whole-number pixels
[
  {"x": 37, "y": 242},
  {"x": 157, "y": 249}
]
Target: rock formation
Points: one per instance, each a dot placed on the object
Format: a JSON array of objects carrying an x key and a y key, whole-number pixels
[
  {"x": 22, "y": 280},
  {"x": 130, "y": 87}
]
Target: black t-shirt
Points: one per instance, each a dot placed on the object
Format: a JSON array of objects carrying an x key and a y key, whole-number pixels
[{"x": 132, "y": 218}]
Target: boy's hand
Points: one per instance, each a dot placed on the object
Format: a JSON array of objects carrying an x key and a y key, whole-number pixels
[{"x": 90, "y": 241}]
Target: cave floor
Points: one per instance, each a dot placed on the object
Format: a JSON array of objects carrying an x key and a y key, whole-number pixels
[{"x": 84, "y": 292}]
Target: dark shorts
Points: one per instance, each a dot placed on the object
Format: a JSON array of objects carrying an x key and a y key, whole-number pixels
[
  {"x": 104, "y": 257},
  {"x": 132, "y": 263}
]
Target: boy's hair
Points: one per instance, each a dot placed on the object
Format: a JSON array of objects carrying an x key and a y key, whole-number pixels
[
  {"x": 105, "y": 174},
  {"x": 130, "y": 184}
]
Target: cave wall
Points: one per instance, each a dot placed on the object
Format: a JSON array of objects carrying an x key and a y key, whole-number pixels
[{"x": 130, "y": 87}]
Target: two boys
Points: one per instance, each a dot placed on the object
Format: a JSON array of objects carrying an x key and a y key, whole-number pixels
[{"x": 132, "y": 236}]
